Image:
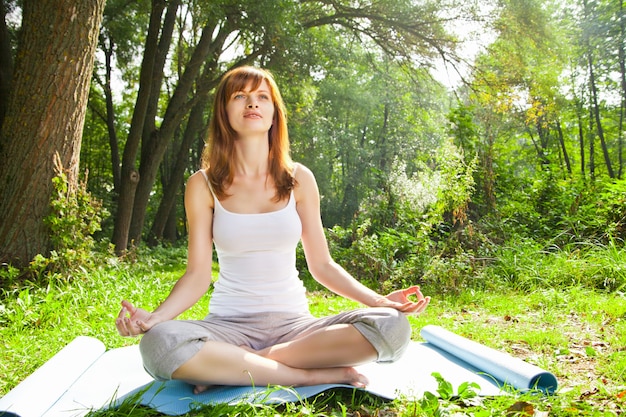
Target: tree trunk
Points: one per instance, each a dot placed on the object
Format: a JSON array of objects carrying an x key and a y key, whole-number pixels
[
  {"x": 622, "y": 69},
  {"x": 592, "y": 147},
  {"x": 109, "y": 119},
  {"x": 486, "y": 156},
  {"x": 581, "y": 138},
  {"x": 170, "y": 233},
  {"x": 45, "y": 117},
  {"x": 596, "y": 115},
  {"x": 195, "y": 127},
  {"x": 129, "y": 173},
  {"x": 594, "y": 107},
  {"x": 559, "y": 130},
  {"x": 158, "y": 73},
  {"x": 154, "y": 148},
  {"x": 6, "y": 63}
]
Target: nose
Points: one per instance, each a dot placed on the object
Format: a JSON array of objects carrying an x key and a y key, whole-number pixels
[{"x": 252, "y": 103}]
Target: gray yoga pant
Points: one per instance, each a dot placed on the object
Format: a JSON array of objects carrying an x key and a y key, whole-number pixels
[{"x": 170, "y": 344}]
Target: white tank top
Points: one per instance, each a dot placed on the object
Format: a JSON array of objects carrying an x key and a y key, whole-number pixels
[{"x": 257, "y": 259}]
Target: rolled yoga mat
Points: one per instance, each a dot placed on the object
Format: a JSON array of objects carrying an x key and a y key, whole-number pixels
[
  {"x": 36, "y": 394},
  {"x": 502, "y": 366},
  {"x": 81, "y": 377}
]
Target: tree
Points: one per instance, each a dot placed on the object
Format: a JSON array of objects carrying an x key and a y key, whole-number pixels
[
  {"x": 44, "y": 118},
  {"x": 260, "y": 30},
  {"x": 595, "y": 101},
  {"x": 517, "y": 101}
]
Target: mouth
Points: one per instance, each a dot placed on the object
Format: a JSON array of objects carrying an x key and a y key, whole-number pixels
[{"x": 252, "y": 115}]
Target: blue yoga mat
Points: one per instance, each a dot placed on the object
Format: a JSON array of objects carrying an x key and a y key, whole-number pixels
[
  {"x": 84, "y": 377},
  {"x": 456, "y": 358}
]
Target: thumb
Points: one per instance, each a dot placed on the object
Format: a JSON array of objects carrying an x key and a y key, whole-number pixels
[
  {"x": 143, "y": 326},
  {"x": 146, "y": 325}
]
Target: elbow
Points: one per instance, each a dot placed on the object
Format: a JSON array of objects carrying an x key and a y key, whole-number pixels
[{"x": 322, "y": 271}]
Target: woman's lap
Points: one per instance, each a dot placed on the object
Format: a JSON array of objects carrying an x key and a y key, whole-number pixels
[{"x": 170, "y": 344}]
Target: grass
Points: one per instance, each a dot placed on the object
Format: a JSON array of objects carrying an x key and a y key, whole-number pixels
[{"x": 577, "y": 333}]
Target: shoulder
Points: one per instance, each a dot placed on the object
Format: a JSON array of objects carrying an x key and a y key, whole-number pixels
[
  {"x": 302, "y": 173},
  {"x": 306, "y": 185},
  {"x": 198, "y": 190}
]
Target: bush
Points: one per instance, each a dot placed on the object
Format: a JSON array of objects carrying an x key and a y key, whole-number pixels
[
  {"x": 599, "y": 212},
  {"x": 74, "y": 217},
  {"x": 389, "y": 243}
]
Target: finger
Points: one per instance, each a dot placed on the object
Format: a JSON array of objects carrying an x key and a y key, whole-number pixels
[
  {"x": 122, "y": 313},
  {"x": 415, "y": 308},
  {"x": 422, "y": 305},
  {"x": 121, "y": 327},
  {"x": 408, "y": 308},
  {"x": 132, "y": 329},
  {"x": 129, "y": 307},
  {"x": 414, "y": 289},
  {"x": 143, "y": 326}
]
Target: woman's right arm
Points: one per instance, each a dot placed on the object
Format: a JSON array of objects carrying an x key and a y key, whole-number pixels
[{"x": 196, "y": 280}]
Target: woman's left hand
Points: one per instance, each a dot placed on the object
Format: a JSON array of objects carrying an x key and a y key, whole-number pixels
[{"x": 400, "y": 300}]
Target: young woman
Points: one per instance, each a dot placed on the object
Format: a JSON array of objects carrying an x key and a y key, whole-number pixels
[{"x": 254, "y": 204}]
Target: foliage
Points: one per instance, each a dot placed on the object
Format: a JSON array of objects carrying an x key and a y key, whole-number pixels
[
  {"x": 74, "y": 217},
  {"x": 390, "y": 241},
  {"x": 599, "y": 212}
]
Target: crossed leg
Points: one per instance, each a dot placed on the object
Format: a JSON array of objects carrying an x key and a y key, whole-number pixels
[{"x": 324, "y": 356}]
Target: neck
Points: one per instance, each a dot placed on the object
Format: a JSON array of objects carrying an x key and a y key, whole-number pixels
[{"x": 252, "y": 156}]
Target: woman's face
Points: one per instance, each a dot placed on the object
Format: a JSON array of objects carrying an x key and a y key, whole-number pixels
[{"x": 251, "y": 112}]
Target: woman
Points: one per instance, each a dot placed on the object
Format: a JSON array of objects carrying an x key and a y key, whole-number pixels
[{"x": 255, "y": 205}]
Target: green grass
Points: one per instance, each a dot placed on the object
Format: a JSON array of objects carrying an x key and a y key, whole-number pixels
[{"x": 575, "y": 332}]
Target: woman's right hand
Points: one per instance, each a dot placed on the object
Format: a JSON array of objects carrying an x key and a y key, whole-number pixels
[{"x": 133, "y": 321}]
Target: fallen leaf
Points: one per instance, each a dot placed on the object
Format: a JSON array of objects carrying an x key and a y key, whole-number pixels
[
  {"x": 521, "y": 408},
  {"x": 589, "y": 393}
]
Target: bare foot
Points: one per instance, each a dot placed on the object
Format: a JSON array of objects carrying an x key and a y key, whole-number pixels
[
  {"x": 356, "y": 379},
  {"x": 199, "y": 389},
  {"x": 339, "y": 375}
]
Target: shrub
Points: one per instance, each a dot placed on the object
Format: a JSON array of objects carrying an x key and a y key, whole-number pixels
[
  {"x": 599, "y": 212},
  {"x": 389, "y": 243},
  {"x": 74, "y": 217}
]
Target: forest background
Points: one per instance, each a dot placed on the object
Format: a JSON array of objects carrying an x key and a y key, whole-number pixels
[{"x": 461, "y": 145}]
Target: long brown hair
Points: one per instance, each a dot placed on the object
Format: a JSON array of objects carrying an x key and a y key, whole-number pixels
[{"x": 218, "y": 156}]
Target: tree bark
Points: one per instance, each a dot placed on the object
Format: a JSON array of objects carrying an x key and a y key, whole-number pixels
[
  {"x": 596, "y": 115},
  {"x": 154, "y": 148},
  {"x": 6, "y": 63},
  {"x": 194, "y": 128},
  {"x": 44, "y": 118},
  {"x": 622, "y": 70},
  {"x": 109, "y": 118},
  {"x": 561, "y": 137},
  {"x": 129, "y": 173},
  {"x": 581, "y": 138}
]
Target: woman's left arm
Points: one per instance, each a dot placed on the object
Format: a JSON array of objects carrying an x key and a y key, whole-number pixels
[{"x": 325, "y": 270}]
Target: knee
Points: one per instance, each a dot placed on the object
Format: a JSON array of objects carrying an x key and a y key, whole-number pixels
[
  {"x": 388, "y": 330},
  {"x": 396, "y": 330},
  {"x": 155, "y": 347}
]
